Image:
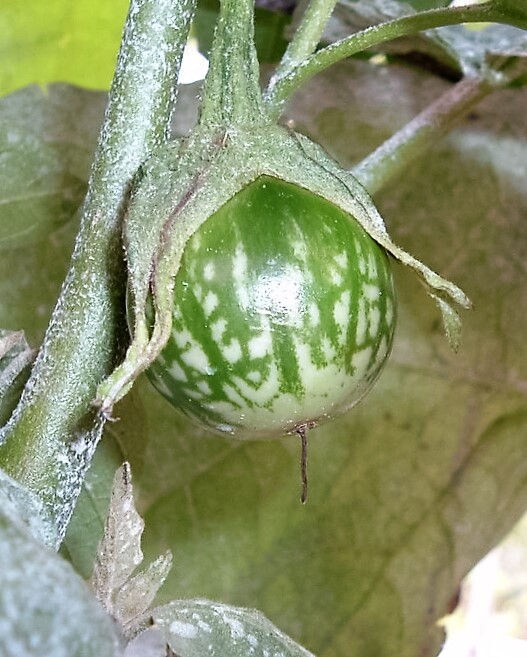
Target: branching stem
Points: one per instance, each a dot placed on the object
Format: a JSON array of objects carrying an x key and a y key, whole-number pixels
[
  {"x": 307, "y": 35},
  {"x": 232, "y": 90},
  {"x": 283, "y": 85},
  {"x": 394, "y": 155},
  {"x": 48, "y": 443}
]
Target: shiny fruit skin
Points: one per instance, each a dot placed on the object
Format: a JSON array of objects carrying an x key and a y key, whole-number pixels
[{"x": 283, "y": 315}]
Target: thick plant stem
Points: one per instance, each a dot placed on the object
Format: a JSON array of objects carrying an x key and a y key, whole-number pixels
[
  {"x": 48, "y": 443},
  {"x": 232, "y": 90},
  {"x": 281, "y": 87},
  {"x": 415, "y": 138}
]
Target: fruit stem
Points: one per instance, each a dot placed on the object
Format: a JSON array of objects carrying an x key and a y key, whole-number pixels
[
  {"x": 48, "y": 443},
  {"x": 282, "y": 86},
  {"x": 232, "y": 93},
  {"x": 420, "y": 134}
]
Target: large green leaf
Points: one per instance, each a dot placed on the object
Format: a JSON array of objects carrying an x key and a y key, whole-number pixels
[
  {"x": 52, "y": 41},
  {"x": 47, "y": 140},
  {"x": 74, "y": 42},
  {"x": 201, "y": 627},
  {"x": 46, "y": 608},
  {"x": 422, "y": 478}
]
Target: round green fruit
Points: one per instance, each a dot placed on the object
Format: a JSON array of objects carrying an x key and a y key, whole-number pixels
[{"x": 283, "y": 314}]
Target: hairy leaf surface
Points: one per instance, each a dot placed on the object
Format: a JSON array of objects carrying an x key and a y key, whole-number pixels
[
  {"x": 45, "y": 607},
  {"x": 197, "y": 627}
]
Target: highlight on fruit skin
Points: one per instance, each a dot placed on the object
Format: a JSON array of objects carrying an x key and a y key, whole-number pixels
[{"x": 283, "y": 316}]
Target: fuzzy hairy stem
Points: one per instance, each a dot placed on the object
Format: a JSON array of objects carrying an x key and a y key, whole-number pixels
[
  {"x": 232, "y": 91},
  {"x": 48, "y": 443},
  {"x": 281, "y": 86},
  {"x": 307, "y": 35},
  {"x": 420, "y": 134}
]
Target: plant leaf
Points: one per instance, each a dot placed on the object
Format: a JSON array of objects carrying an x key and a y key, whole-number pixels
[
  {"x": 197, "y": 627},
  {"x": 351, "y": 16},
  {"x": 119, "y": 552},
  {"x": 126, "y": 596},
  {"x": 24, "y": 506},
  {"x": 149, "y": 643},
  {"x": 46, "y": 140},
  {"x": 426, "y": 474},
  {"x": 45, "y": 607},
  {"x": 478, "y": 50},
  {"x": 60, "y": 41},
  {"x": 138, "y": 593}
]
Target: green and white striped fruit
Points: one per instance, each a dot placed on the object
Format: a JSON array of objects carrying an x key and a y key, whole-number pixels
[{"x": 283, "y": 314}]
